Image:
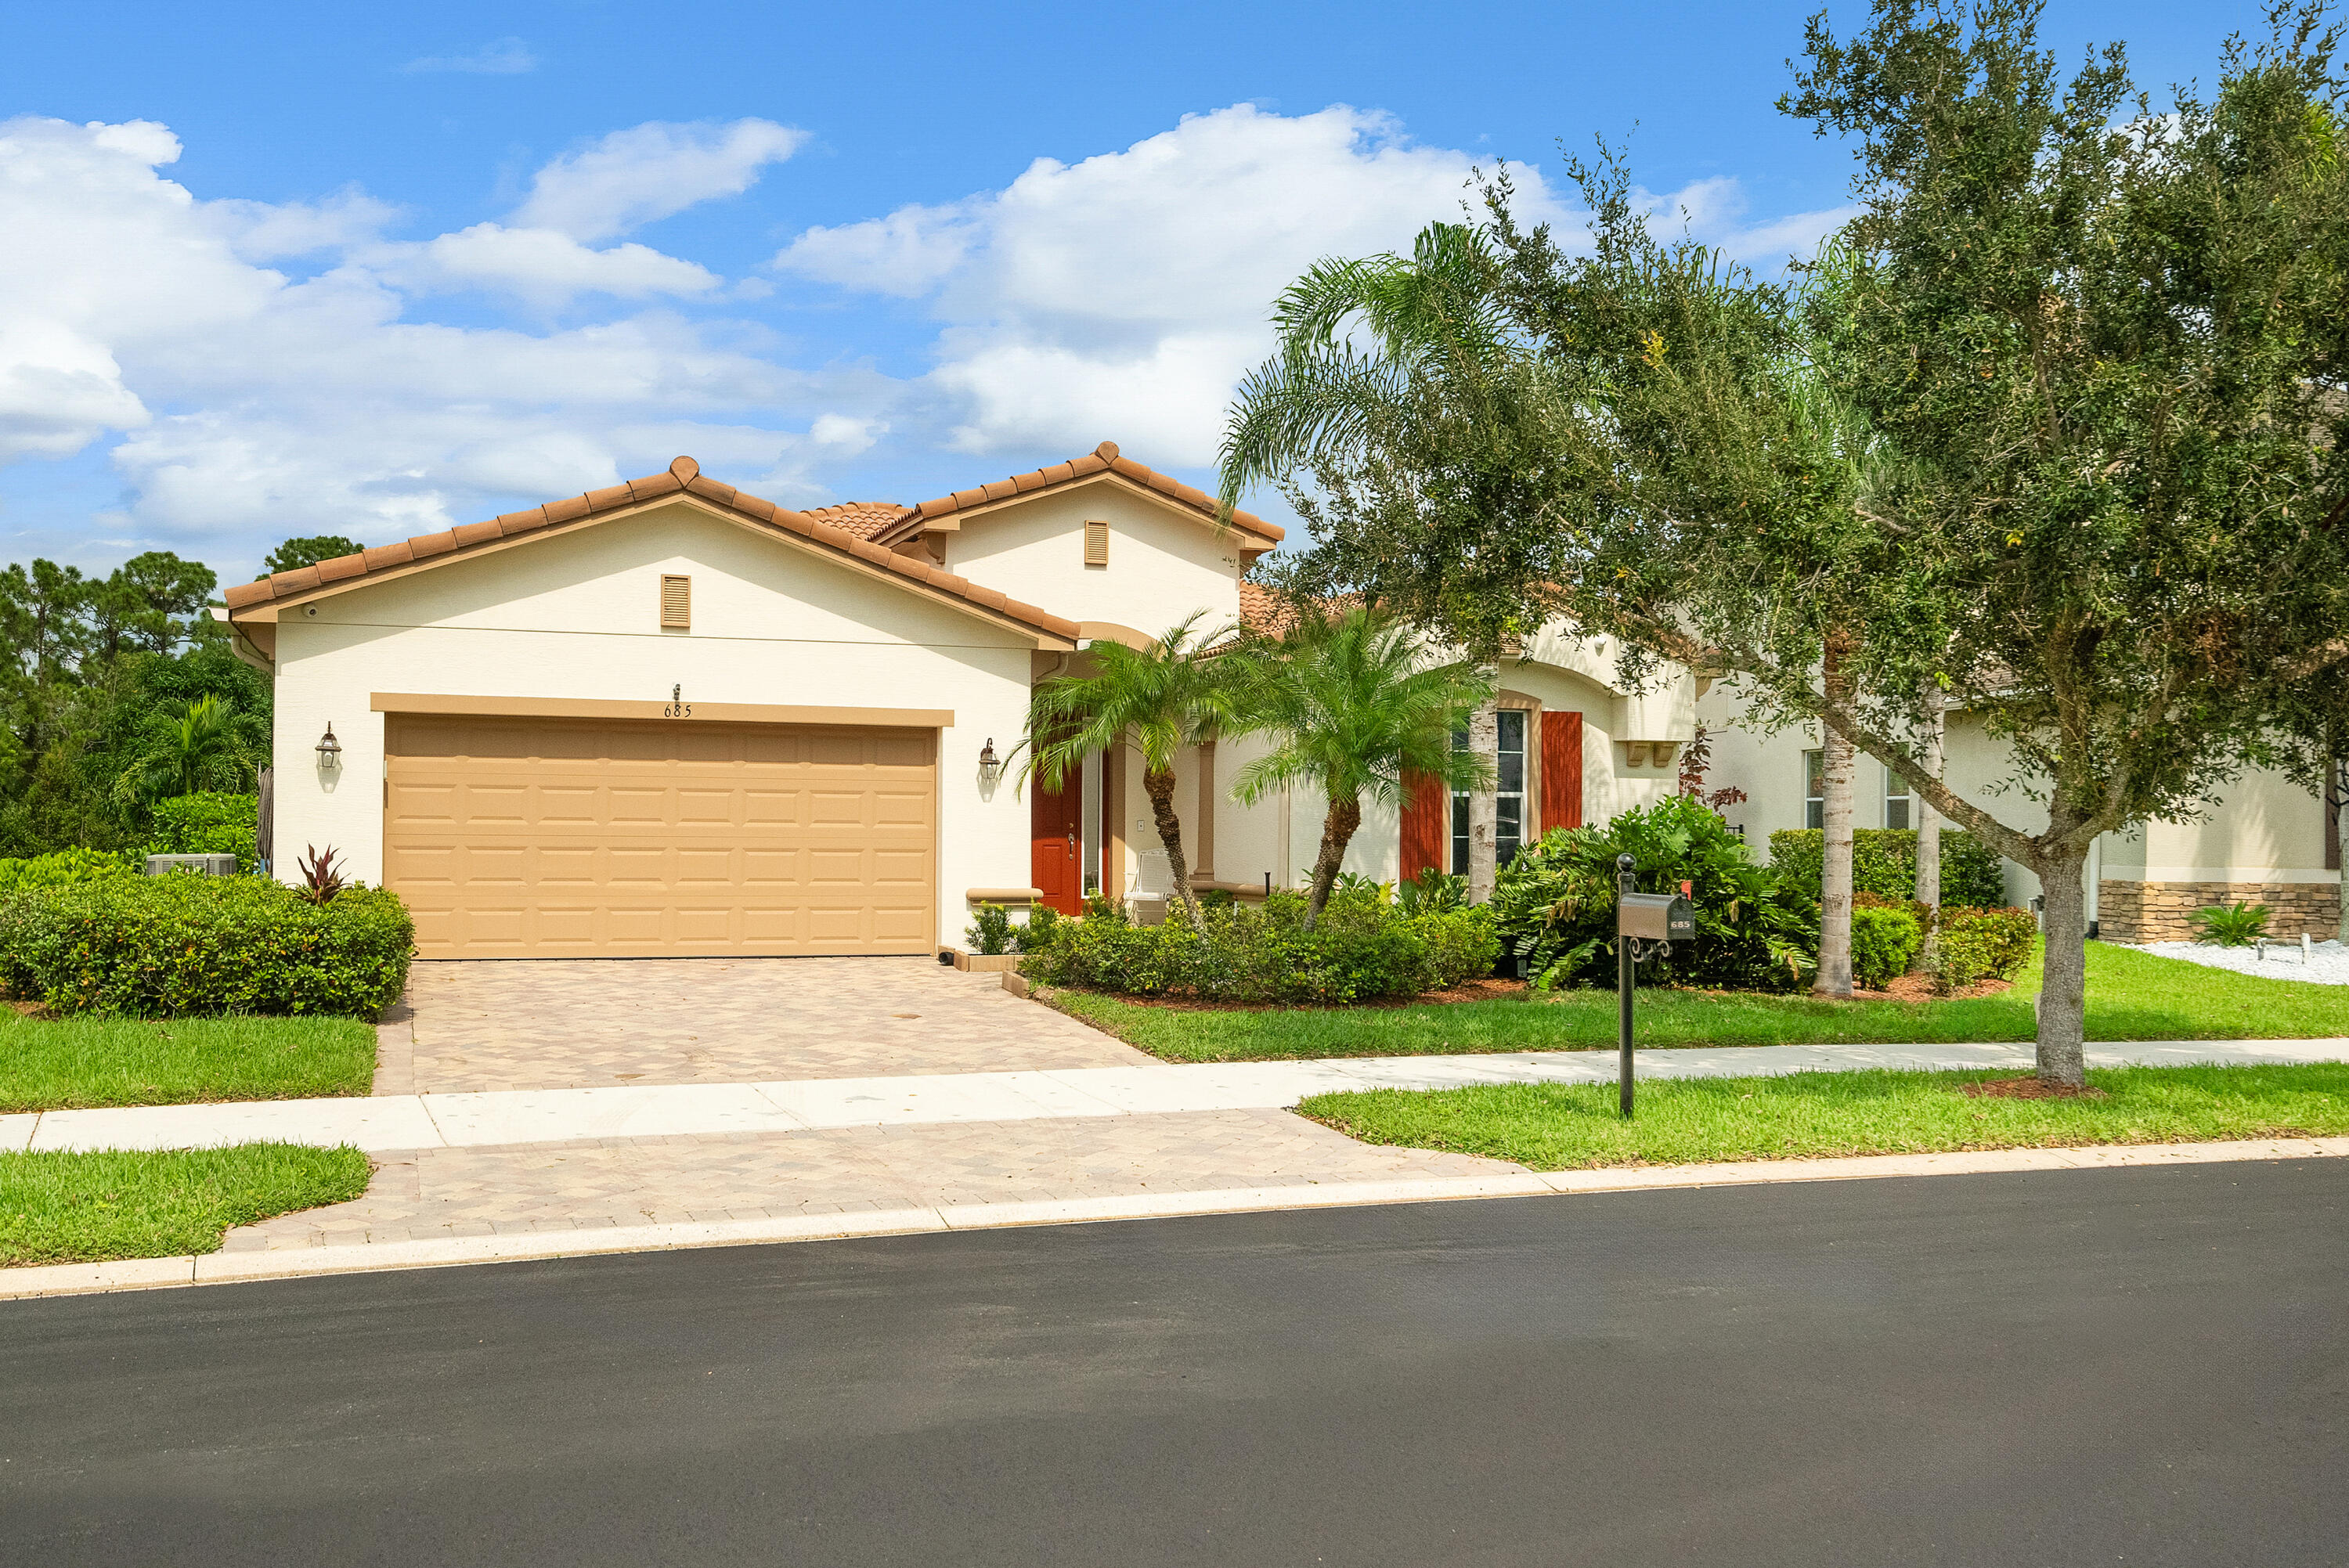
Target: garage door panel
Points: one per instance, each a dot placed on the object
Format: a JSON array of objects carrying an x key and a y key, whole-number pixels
[{"x": 517, "y": 838}]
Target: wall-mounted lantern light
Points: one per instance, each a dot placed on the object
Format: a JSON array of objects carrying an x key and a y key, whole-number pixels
[
  {"x": 990, "y": 766},
  {"x": 330, "y": 750}
]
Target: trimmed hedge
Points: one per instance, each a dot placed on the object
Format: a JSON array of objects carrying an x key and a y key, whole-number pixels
[
  {"x": 159, "y": 948},
  {"x": 1976, "y": 943},
  {"x": 1364, "y": 946},
  {"x": 1883, "y": 941},
  {"x": 1884, "y": 862},
  {"x": 63, "y": 868},
  {"x": 208, "y": 822}
]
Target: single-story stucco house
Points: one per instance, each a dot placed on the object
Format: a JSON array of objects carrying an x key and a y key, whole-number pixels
[{"x": 669, "y": 718}]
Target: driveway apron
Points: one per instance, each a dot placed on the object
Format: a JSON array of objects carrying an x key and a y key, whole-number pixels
[{"x": 590, "y": 1023}]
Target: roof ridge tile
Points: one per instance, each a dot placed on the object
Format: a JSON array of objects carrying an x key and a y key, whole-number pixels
[{"x": 683, "y": 476}]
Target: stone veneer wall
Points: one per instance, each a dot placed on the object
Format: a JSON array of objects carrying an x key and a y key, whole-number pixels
[{"x": 2162, "y": 911}]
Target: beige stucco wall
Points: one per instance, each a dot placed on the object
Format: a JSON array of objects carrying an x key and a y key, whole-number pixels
[
  {"x": 1163, "y": 564},
  {"x": 2264, "y": 829},
  {"x": 576, "y": 616}
]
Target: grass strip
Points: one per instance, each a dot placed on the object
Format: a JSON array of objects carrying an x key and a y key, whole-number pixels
[
  {"x": 1572, "y": 1127},
  {"x": 71, "y": 1207},
  {"x": 2131, "y": 996},
  {"x": 59, "y": 1064}
]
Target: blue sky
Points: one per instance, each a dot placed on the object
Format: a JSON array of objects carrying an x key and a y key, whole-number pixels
[{"x": 280, "y": 269}]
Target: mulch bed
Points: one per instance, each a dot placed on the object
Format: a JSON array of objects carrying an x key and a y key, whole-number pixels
[
  {"x": 2026, "y": 1089},
  {"x": 1920, "y": 988},
  {"x": 1907, "y": 988}
]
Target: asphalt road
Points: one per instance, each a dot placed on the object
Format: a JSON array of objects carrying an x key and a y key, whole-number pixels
[{"x": 2140, "y": 1367}]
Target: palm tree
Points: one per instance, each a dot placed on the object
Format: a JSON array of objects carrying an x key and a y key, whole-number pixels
[
  {"x": 1352, "y": 707},
  {"x": 200, "y": 744},
  {"x": 1440, "y": 376},
  {"x": 1158, "y": 699}
]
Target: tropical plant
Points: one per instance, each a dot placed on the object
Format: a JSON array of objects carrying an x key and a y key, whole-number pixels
[
  {"x": 2230, "y": 925},
  {"x": 199, "y": 748},
  {"x": 321, "y": 878},
  {"x": 1433, "y": 892},
  {"x": 1554, "y": 906},
  {"x": 1351, "y": 703},
  {"x": 1159, "y": 700},
  {"x": 1411, "y": 442}
]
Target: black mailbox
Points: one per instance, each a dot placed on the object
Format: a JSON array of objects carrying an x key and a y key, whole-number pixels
[{"x": 1655, "y": 916}]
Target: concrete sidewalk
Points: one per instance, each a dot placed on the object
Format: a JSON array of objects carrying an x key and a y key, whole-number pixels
[{"x": 517, "y": 1117}]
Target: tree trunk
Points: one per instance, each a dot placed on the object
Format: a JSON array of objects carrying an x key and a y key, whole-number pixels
[
  {"x": 1929, "y": 837},
  {"x": 1484, "y": 805},
  {"x": 1158, "y": 783},
  {"x": 2063, "y": 990},
  {"x": 1338, "y": 830},
  {"x": 2339, "y": 784},
  {"x": 1834, "y": 868}
]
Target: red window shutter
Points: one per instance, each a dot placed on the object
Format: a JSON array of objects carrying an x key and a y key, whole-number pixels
[
  {"x": 1426, "y": 825},
  {"x": 1561, "y": 770}
]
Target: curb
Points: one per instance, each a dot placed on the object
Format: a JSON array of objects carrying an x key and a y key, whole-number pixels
[{"x": 226, "y": 1268}]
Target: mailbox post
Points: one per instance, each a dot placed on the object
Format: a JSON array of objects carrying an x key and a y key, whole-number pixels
[{"x": 1644, "y": 923}]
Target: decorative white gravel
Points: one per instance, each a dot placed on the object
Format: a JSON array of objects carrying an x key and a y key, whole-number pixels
[{"x": 2327, "y": 963}]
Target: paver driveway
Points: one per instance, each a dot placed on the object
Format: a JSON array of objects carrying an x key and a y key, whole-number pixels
[{"x": 588, "y": 1023}]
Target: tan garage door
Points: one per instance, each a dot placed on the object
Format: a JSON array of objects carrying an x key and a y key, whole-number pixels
[{"x": 568, "y": 838}]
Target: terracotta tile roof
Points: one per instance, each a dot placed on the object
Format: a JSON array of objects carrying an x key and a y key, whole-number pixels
[
  {"x": 683, "y": 477},
  {"x": 1262, "y": 610},
  {"x": 1104, "y": 459},
  {"x": 864, "y": 518}
]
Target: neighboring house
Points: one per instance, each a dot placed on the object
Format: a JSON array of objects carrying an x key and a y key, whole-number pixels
[
  {"x": 670, "y": 719},
  {"x": 2266, "y": 842}
]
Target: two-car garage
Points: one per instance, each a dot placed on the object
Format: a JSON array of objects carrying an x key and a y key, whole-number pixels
[{"x": 590, "y": 836}]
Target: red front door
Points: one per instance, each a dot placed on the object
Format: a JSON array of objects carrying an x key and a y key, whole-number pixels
[{"x": 1053, "y": 817}]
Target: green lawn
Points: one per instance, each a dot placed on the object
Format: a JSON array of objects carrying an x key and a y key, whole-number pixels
[
  {"x": 2131, "y": 996},
  {"x": 85, "y": 1208},
  {"x": 55, "y": 1064},
  {"x": 1565, "y": 1127}
]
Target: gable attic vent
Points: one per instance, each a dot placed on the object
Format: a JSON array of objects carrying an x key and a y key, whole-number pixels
[
  {"x": 1096, "y": 542},
  {"x": 677, "y": 604}
]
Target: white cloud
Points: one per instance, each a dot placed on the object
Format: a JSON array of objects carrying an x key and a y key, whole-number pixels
[
  {"x": 1123, "y": 296},
  {"x": 538, "y": 265},
  {"x": 907, "y": 253},
  {"x": 245, "y": 404},
  {"x": 634, "y": 175},
  {"x": 1713, "y": 210},
  {"x": 263, "y": 232},
  {"x": 502, "y": 57}
]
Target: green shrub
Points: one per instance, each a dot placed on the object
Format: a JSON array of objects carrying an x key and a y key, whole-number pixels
[
  {"x": 1043, "y": 925},
  {"x": 1365, "y": 947},
  {"x": 1553, "y": 905},
  {"x": 989, "y": 932},
  {"x": 1884, "y": 862},
  {"x": 1979, "y": 942},
  {"x": 2236, "y": 926},
  {"x": 63, "y": 868},
  {"x": 167, "y": 946},
  {"x": 207, "y": 823},
  {"x": 1883, "y": 941}
]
